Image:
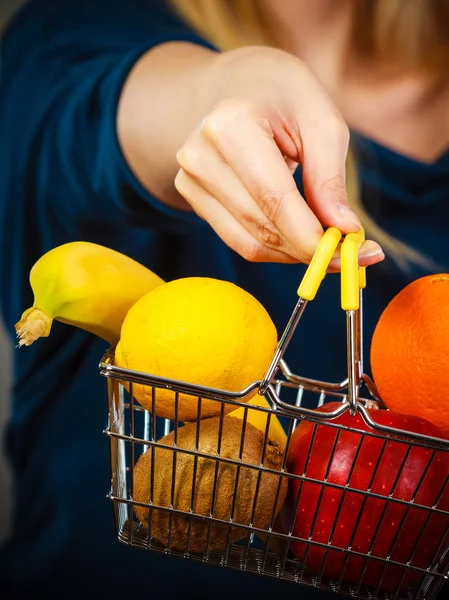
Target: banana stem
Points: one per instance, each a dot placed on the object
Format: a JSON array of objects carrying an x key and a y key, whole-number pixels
[{"x": 33, "y": 325}]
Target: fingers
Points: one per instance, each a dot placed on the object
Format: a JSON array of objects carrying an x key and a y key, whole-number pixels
[
  {"x": 322, "y": 140},
  {"x": 247, "y": 146},
  {"x": 225, "y": 224},
  {"x": 237, "y": 173},
  {"x": 202, "y": 161},
  {"x": 324, "y": 174},
  {"x": 370, "y": 253}
]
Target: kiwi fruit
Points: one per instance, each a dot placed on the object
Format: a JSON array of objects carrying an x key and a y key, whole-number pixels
[{"x": 226, "y": 482}]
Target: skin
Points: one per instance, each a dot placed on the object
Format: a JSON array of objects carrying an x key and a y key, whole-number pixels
[
  {"x": 225, "y": 131},
  {"x": 404, "y": 111}
]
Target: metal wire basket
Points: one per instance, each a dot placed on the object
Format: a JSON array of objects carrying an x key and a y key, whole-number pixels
[{"x": 344, "y": 502}]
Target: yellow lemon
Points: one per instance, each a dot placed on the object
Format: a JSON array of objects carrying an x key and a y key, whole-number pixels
[{"x": 198, "y": 330}]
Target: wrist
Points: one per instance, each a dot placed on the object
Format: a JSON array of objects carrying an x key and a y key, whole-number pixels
[{"x": 255, "y": 73}]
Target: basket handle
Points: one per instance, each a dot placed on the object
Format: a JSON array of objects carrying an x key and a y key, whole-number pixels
[
  {"x": 353, "y": 277},
  {"x": 316, "y": 271}
]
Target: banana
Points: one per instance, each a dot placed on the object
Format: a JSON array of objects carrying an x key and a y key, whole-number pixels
[{"x": 85, "y": 285}]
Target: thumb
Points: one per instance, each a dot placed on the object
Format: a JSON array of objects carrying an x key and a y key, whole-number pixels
[{"x": 324, "y": 178}]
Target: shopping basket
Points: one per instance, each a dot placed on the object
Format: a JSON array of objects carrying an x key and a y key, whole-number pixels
[{"x": 365, "y": 511}]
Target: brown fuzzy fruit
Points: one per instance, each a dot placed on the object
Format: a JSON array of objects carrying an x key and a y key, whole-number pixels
[{"x": 204, "y": 485}]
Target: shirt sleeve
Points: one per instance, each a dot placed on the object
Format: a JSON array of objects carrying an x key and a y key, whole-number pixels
[{"x": 64, "y": 66}]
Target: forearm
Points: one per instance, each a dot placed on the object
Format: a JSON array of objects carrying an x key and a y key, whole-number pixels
[{"x": 165, "y": 97}]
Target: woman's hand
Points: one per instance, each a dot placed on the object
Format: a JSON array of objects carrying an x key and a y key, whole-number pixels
[
  {"x": 229, "y": 129},
  {"x": 236, "y": 168}
]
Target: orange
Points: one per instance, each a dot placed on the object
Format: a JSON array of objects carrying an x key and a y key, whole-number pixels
[{"x": 410, "y": 351}]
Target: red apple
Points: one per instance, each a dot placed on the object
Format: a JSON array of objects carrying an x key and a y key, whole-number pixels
[{"x": 342, "y": 519}]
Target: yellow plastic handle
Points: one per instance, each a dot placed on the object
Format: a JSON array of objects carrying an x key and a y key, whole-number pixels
[
  {"x": 317, "y": 268},
  {"x": 353, "y": 277},
  {"x": 362, "y": 278}
]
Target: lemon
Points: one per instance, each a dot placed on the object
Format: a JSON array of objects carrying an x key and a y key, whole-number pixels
[{"x": 198, "y": 330}]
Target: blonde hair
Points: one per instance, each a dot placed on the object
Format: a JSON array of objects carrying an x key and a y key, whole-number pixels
[{"x": 412, "y": 34}]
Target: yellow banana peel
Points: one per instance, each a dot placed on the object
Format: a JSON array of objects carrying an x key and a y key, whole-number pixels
[{"x": 85, "y": 285}]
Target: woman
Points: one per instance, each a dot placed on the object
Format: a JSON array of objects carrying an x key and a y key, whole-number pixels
[{"x": 127, "y": 118}]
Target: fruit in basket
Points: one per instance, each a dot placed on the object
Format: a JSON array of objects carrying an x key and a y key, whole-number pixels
[
  {"x": 259, "y": 418},
  {"x": 336, "y": 517},
  {"x": 249, "y": 507},
  {"x": 197, "y": 330},
  {"x": 409, "y": 351},
  {"x": 85, "y": 285}
]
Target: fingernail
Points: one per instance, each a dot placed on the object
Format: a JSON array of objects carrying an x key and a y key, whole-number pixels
[
  {"x": 370, "y": 250},
  {"x": 348, "y": 214}
]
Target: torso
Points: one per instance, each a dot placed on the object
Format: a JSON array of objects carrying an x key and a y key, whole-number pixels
[{"x": 400, "y": 115}]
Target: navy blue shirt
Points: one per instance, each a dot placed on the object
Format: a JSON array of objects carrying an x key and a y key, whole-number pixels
[{"x": 63, "y": 178}]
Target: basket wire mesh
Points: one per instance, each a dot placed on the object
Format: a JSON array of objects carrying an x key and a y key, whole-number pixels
[{"x": 377, "y": 528}]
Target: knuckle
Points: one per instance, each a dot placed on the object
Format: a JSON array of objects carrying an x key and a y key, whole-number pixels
[
  {"x": 268, "y": 235},
  {"x": 180, "y": 181},
  {"x": 340, "y": 130},
  {"x": 254, "y": 252},
  {"x": 188, "y": 158},
  {"x": 180, "y": 154},
  {"x": 214, "y": 124},
  {"x": 271, "y": 203},
  {"x": 247, "y": 218},
  {"x": 224, "y": 118},
  {"x": 335, "y": 185}
]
